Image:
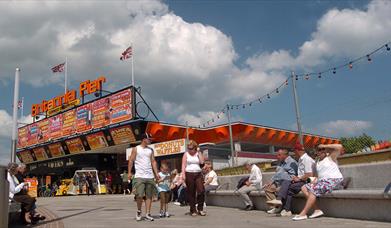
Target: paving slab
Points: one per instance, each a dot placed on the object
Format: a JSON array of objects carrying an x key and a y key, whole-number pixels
[{"x": 119, "y": 211}]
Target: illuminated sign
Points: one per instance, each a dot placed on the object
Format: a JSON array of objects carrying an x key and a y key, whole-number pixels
[
  {"x": 96, "y": 141},
  {"x": 75, "y": 145},
  {"x": 122, "y": 135},
  {"x": 68, "y": 99}
]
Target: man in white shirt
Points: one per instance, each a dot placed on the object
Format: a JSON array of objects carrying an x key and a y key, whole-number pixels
[
  {"x": 146, "y": 171},
  {"x": 290, "y": 188},
  {"x": 253, "y": 183}
]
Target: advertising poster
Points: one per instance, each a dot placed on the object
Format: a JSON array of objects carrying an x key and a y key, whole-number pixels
[
  {"x": 22, "y": 137},
  {"x": 26, "y": 156},
  {"x": 121, "y": 135},
  {"x": 43, "y": 131},
  {"x": 56, "y": 150},
  {"x": 69, "y": 123},
  {"x": 120, "y": 107},
  {"x": 100, "y": 113},
  {"x": 55, "y": 126},
  {"x": 169, "y": 147},
  {"x": 40, "y": 153},
  {"x": 75, "y": 145},
  {"x": 83, "y": 118},
  {"x": 96, "y": 141},
  {"x": 32, "y": 184},
  {"x": 32, "y": 134}
]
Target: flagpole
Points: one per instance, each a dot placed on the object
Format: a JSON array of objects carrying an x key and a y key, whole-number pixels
[
  {"x": 132, "y": 66},
  {"x": 15, "y": 116},
  {"x": 66, "y": 74}
]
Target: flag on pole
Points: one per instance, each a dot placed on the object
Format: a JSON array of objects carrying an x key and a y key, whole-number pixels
[
  {"x": 126, "y": 54},
  {"x": 58, "y": 68},
  {"x": 20, "y": 104}
]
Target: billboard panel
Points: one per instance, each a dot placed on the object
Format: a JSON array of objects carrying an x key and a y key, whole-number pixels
[
  {"x": 100, "y": 113},
  {"x": 96, "y": 140},
  {"x": 32, "y": 134},
  {"x": 69, "y": 123},
  {"x": 40, "y": 153},
  {"x": 75, "y": 145},
  {"x": 121, "y": 135},
  {"x": 120, "y": 106},
  {"x": 26, "y": 156},
  {"x": 43, "y": 131},
  {"x": 83, "y": 118},
  {"x": 56, "y": 150},
  {"x": 22, "y": 137},
  {"x": 55, "y": 126}
]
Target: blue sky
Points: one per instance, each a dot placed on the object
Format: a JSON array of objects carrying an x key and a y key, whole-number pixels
[{"x": 193, "y": 57}]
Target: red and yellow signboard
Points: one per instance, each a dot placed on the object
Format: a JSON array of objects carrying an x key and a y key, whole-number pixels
[
  {"x": 120, "y": 107},
  {"x": 75, "y": 145},
  {"x": 32, "y": 184},
  {"x": 69, "y": 123},
  {"x": 26, "y": 156},
  {"x": 43, "y": 131},
  {"x": 121, "y": 135},
  {"x": 32, "y": 134},
  {"x": 96, "y": 140},
  {"x": 40, "y": 153},
  {"x": 56, "y": 150},
  {"x": 100, "y": 113},
  {"x": 83, "y": 118},
  {"x": 55, "y": 126},
  {"x": 22, "y": 137}
]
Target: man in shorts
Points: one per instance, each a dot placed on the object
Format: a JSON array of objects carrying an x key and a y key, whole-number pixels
[{"x": 146, "y": 171}]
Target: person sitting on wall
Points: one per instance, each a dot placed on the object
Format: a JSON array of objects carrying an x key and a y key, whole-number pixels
[
  {"x": 253, "y": 183},
  {"x": 329, "y": 178},
  {"x": 290, "y": 188},
  {"x": 211, "y": 180},
  {"x": 286, "y": 169},
  {"x": 18, "y": 192}
]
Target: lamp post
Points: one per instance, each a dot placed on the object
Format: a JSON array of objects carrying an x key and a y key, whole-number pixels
[
  {"x": 296, "y": 99},
  {"x": 15, "y": 116}
]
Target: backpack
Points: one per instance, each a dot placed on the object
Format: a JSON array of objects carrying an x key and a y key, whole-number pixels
[{"x": 242, "y": 182}]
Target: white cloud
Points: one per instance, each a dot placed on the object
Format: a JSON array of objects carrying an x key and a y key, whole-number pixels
[{"x": 343, "y": 128}]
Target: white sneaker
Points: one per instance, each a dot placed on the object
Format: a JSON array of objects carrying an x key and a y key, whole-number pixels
[
  {"x": 274, "y": 202},
  {"x": 138, "y": 216},
  {"x": 274, "y": 210},
  {"x": 177, "y": 203},
  {"x": 316, "y": 214},
  {"x": 285, "y": 213},
  {"x": 299, "y": 218},
  {"x": 167, "y": 215},
  {"x": 149, "y": 217},
  {"x": 162, "y": 214}
]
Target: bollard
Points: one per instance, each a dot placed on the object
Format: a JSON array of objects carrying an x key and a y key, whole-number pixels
[{"x": 4, "y": 197}]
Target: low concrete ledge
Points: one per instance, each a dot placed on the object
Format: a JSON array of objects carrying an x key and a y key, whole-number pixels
[{"x": 354, "y": 204}]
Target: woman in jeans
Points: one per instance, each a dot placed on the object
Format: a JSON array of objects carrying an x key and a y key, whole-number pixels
[
  {"x": 191, "y": 165},
  {"x": 329, "y": 177}
]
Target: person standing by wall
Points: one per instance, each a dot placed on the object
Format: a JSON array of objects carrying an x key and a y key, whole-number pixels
[
  {"x": 146, "y": 170},
  {"x": 191, "y": 166}
]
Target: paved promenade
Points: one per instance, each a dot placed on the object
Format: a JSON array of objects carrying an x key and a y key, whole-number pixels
[{"x": 119, "y": 211}]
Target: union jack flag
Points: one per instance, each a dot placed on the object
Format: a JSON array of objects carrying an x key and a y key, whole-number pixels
[
  {"x": 126, "y": 54},
  {"x": 58, "y": 68}
]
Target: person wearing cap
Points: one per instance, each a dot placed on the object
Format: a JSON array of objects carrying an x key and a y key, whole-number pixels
[
  {"x": 146, "y": 171},
  {"x": 254, "y": 183},
  {"x": 328, "y": 178},
  {"x": 290, "y": 188}
]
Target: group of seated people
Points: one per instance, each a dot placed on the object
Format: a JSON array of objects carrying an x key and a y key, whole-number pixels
[
  {"x": 305, "y": 175},
  {"x": 18, "y": 193}
]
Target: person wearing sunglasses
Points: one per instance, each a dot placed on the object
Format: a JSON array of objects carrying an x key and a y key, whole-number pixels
[{"x": 191, "y": 165}]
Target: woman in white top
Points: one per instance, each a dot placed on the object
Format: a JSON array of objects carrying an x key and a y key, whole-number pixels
[
  {"x": 191, "y": 165},
  {"x": 329, "y": 177},
  {"x": 210, "y": 181}
]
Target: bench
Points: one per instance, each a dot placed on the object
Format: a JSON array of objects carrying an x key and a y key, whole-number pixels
[{"x": 363, "y": 199}]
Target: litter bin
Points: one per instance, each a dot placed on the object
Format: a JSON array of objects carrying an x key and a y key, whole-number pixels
[{"x": 4, "y": 197}]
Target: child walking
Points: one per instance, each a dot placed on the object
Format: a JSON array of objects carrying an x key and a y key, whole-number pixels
[{"x": 164, "y": 190}]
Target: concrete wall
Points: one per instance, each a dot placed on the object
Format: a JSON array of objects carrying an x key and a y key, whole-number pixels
[
  {"x": 4, "y": 195},
  {"x": 364, "y": 176}
]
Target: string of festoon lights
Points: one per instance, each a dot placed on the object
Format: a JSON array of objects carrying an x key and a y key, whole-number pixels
[{"x": 306, "y": 76}]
